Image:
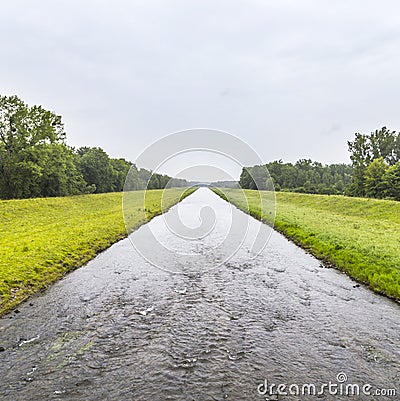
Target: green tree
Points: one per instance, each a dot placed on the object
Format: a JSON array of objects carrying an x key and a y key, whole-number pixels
[
  {"x": 59, "y": 175},
  {"x": 120, "y": 169},
  {"x": 384, "y": 143},
  {"x": 96, "y": 168},
  {"x": 360, "y": 155},
  {"x": 132, "y": 179},
  {"x": 375, "y": 184},
  {"x": 246, "y": 180},
  {"x": 392, "y": 181},
  {"x": 154, "y": 182},
  {"x": 144, "y": 177},
  {"x": 33, "y": 154}
]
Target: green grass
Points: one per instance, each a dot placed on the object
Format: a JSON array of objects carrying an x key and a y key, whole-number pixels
[
  {"x": 42, "y": 239},
  {"x": 358, "y": 236}
]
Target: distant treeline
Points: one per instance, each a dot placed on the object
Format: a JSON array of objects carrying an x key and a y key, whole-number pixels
[
  {"x": 305, "y": 176},
  {"x": 225, "y": 184},
  {"x": 36, "y": 162},
  {"x": 375, "y": 171}
]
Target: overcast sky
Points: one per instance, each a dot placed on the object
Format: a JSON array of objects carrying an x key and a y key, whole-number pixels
[{"x": 293, "y": 79}]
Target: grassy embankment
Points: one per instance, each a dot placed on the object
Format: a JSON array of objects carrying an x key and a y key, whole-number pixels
[
  {"x": 358, "y": 236},
  {"x": 42, "y": 239}
]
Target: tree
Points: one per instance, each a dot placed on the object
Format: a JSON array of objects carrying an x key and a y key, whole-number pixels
[
  {"x": 154, "y": 182},
  {"x": 392, "y": 181},
  {"x": 60, "y": 176},
  {"x": 33, "y": 152},
  {"x": 375, "y": 185},
  {"x": 246, "y": 180},
  {"x": 384, "y": 143},
  {"x": 259, "y": 175},
  {"x": 132, "y": 179},
  {"x": 360, "y": 150},
  {"x": 120, "y": 169},
  {"x": 380, "y": 144},
  {"x": 144, "y": 178},
  {"x": 96, "y": 168}
]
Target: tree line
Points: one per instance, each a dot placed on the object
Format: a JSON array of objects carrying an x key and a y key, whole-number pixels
[
  {"x": 35, "y": 160},
  {"x": 374, "y": 172},
  {"x": 305, "y": 176}
]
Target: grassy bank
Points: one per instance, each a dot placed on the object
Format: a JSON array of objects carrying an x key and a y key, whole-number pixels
[
  {"x": 358, "y": 236},
  {"x": 42, "y": 239}
]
